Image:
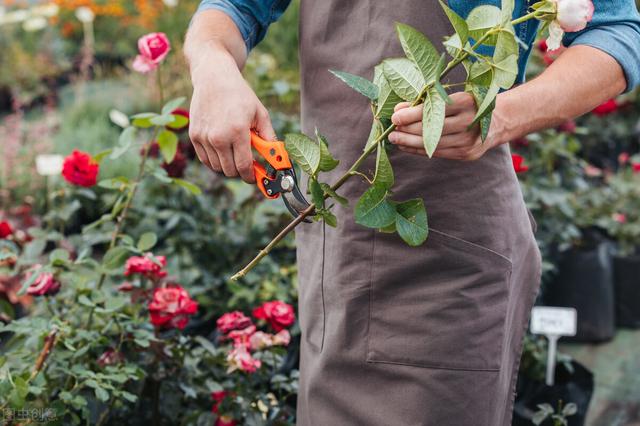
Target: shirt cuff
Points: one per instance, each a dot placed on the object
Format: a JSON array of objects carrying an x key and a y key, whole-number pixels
[
  {"x": 620, "y": 41},
  {"x": 246, "y": 23}
]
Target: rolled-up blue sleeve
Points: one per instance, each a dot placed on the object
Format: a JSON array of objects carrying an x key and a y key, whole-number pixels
[
  {"x": 252, "y": 17},
  {"x": 614, "y": 29}
]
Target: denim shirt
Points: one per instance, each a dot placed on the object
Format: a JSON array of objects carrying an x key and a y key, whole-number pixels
[{"x": 615, "y": 28}]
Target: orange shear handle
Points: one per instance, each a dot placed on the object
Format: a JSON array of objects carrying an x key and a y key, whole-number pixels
[{"x": 275, "y": 154}]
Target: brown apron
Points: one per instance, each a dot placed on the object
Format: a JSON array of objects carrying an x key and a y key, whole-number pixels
[{"x": 394, "y": 335}]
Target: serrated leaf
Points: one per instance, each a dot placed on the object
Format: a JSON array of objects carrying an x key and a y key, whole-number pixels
[
  {"x": 418, "y": 49},
  {"x": 172, "y": 105},
  {"x": 373, "y": 210},
  {"x": 327, "y": 161},
  {"x": 384, "y": 172},
  {"x": 147, "y": 241},
  {"x": 459, "y": 24},
  {"x": 433, "y": 115},
  {"x": 304, "y": 151},
  {"x": 168, "y": 143},
  {"x": 404, "y": 77},
  {"x": 126, "y": 139},
  {"x": 411, "y": 222},
  {"x": 357, "y": 83},
  {"x": 388, "y": 99},
  {"x": 191, "y": 187},
  {"x": 326, "y": 188},
  {"x": 483, "y": 18}
]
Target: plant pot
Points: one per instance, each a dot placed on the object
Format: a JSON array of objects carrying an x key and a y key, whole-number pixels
[
  {"x": 576, "y": 387},
  {"x": 627, "y": 290},
  {"x": 585, "y": 282}
]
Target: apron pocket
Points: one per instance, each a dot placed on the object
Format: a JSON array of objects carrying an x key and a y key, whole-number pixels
[{"x": 441, "y": 305}]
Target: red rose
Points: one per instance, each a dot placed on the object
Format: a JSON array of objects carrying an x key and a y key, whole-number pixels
[
  {"x": 542, "y": 46},
  {"x": 80, "y": 169},
  {"x": 176, "y": 168},
  {"x": 110, "y": 357},
  {"x": 609, "y": 107},
  {"x": 153, "y": 49},
  {"x": 171, "y": 307},
  {"x": 225, "y": 421},
  {"x": 635, "y": 167},
  {"x": 568, "y": 127},
  {"x": 235, "y": 320},
  {"x": 44, "y": 285},
  {"x": 5, "y": 229},
  {"x": 278, "y": 314},
  {"x": 148, "y": 265},
  {"x": 218, "y": 397},
  {"x": 518, "y": 163},
  {"x": 125, "y": 287}
]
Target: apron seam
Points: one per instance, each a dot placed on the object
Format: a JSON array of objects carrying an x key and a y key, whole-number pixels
[
  {"x": 324, "y": 312},
  {"x": 435, "y": 367},
  {"x": 373, "y": 265}
]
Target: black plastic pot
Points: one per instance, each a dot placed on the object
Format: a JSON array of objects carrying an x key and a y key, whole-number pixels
[
  {"x": 627, "y": 290},
  {"x": 576, "y": 387},
  {"x": 585, "y": 282}
]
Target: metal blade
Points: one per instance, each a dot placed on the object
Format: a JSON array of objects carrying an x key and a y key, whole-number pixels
[{"x": 295, "y": 202}]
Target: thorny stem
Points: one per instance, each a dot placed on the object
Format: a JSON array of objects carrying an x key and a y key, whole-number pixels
[{"x": 353, "y": 170}]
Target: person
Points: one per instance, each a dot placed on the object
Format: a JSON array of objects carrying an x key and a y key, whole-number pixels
[{"x": 393, "y": 334}]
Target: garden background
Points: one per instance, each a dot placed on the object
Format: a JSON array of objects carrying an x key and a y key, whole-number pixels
[{"x": 114, "y": 290}]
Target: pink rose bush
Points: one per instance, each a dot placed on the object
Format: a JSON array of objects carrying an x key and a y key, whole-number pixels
[{"x": 152, "y": 48}]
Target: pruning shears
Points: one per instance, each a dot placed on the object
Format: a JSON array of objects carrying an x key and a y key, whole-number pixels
[{"x": 279, "y": 176}]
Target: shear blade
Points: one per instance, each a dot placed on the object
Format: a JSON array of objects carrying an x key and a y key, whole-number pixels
[{"x": 295, "y": 202}]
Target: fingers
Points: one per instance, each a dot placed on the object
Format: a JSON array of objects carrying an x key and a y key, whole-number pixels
[
  {"x": 243, "y": 158},
  {"x": 263, "y": 125},
  {"x": 407, "y": 115},
  {"x": 462, "y": 101}
]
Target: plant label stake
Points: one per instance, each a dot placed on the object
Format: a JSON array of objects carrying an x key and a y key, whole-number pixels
[{"x": 553, "y": 323}]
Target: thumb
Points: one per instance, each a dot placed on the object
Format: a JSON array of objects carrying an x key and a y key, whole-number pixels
[{"x": 263, "y": 125}]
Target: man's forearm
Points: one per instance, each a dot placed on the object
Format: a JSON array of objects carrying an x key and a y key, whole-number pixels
[
  {"x": 579, "y": 80},
  {"x": 213, "y": 39}
]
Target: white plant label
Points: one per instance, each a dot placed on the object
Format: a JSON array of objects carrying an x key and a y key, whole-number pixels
[{"x": 553, "y": 321}]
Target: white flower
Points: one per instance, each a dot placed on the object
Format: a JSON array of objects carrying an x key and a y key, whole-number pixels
[
  {"x": 574, "y": 15},
  {"x": 34, "y": 24},
  {"x": 119, "y": 118},
  {"x": 554, "y": 42},
  {"x": 49, "y": 165},
  {"x": 85, "y": 15},
  {"x": 47, "y": 10}
]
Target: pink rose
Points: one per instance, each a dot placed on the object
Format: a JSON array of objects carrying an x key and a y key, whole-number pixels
[
  {"x": 574, "y": 15},
  {"x": 278, "y": 314},
  {"x": 44, "y": 285},
  {"x": 235, "y": 320},
  {"x": 619, "y": 217},
  {"x": 635, "y": 167},
  {"x": 241, "y": 337},
  {"x": 148, "y": 265},
  {"x": 171, "y": 307},
  {"x": 623, "y": 158},
  {"x": 239, "y": 358},
  {"x": 260, "y": 340},
  {"x": 153, "y": 49}
]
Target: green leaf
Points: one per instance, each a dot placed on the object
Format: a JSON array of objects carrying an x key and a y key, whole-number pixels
[
  {"x": 433, "y": 115},
  {"x": 373, "y": 210},
  {"x": 507, "y": 10},
  {"x": 172, "y": 104},
  {"x": 143, "y": 120},
  {"x": 101, "y": 394},
  {"x": 377, "y": 128},
  {"x": 147, "y": 241},
  {"x": 179, "y": 121},
  {"x": 126, "y": 139},
  {"x": 388, "y": 99},
  {"x": 488, "y": 103},
  {"x": 419, "y": 49},
  {"x": 506, "y": 72},
  {"x": 483, "y": 18},
  {"x": 384, "y": 172},
  {"x": 162, "y": 120},
  {"x": 404, "y": 77},
  {"x": 304, "y": 151},
  {"x": 326, "y": 188},
  {"x": 357, "y": 83},
  {"x": 411, "y": 222},
  {"x": 459, "y": 25},
  {"x": 479, "y": 94},
  {"x": 443, "y": 93},
  {"x": 102, "y": 155},
  {"x": 327, "y": 162},
  {"x": 115, "y": 257},
  {"x": 506, "y": 45},
  {"x": 481, "y": 73},
  {"x": 191, "y": 187},
  {"x": 328, "y": 217},
  {"x": 168, "y": 143},
  {"x": 120, "y": 183},
  {"x": 317, "y": 194}
]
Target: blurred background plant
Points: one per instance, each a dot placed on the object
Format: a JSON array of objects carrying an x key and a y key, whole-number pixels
[{"x": 66, "y": 83}]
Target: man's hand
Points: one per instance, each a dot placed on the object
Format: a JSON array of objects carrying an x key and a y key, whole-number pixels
[
  {"x": 458, "y": 142},
  {"x": 224, "y": 109}
]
